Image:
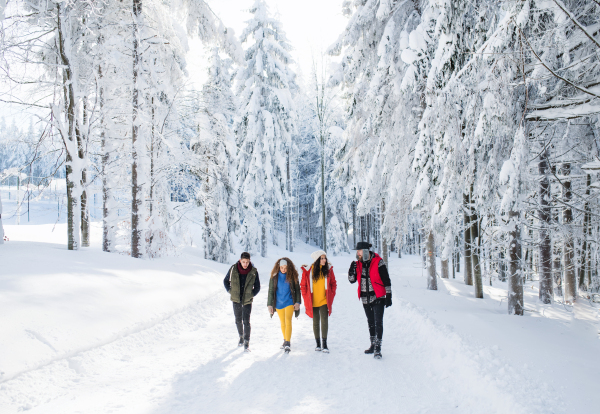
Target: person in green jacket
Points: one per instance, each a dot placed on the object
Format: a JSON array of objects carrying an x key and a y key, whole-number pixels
[
  {"x": 243, "y": 284},
  {"x": 284, "y": 296}
]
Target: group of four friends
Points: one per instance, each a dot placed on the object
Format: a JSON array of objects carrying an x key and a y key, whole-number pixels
[{"x": 317, "y": 287}]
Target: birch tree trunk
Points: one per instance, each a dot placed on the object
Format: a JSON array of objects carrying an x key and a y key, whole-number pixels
[
  {"x": 431, "y": 277},
  {"x": 515, "y": 277},
  {"x": 570, "y": 281},
  {"x": 545, "y": 260}
]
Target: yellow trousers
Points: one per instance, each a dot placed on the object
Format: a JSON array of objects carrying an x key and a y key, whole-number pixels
[{"x": 285, "y": 316}]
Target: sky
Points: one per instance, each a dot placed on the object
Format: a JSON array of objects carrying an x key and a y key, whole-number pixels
[{"x": 310, "y": 25}]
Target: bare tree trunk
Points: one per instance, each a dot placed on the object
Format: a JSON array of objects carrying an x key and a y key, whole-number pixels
[
  {"x": 307, "y": 218},
  {"x": 73, "y": 176},
  {"x": 570, "y": 281},
  {"x": 431, "y": 277},
  {"x": 468, "y": 276},
  {"x": 85, "y": 213},
  {"x": 106, "y": 233},
  {"x": 353, "y": 224},
  {"x": 544, "y": 233},
  {"x": 445, "y": 271},
  {"x": 515, "y": 277},
  {"x": 556, "y": 264},
  {"x": 263, "y": 244},
  {"x": 384, "y": 246},
  {"x": 502, "y": 266},
  {"x": 136, "y": 190},
  {"x": 475, "y": 256},
  {"x": 290, "y": 241},
  {"x": 586, "y": 256},
  {"x": 323, "y": 213},
  {"x": 1, "y": 227}
]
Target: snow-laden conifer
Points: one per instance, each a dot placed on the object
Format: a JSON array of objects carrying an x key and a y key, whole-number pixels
[{"x": 265, "y": 125}]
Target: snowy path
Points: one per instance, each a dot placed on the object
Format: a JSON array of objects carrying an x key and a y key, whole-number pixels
[{"x": 189, "y": 363}]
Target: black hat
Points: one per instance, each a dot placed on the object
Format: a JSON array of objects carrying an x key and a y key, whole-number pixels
[{"x": 363, "y": 245}]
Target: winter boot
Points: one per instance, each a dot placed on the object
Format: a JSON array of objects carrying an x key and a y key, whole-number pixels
[
  {"x": 325, "y": 349},
  {"x": 241, "y": 342},
  {"x": 246, "y": 345},
  {"x": 377, "y": 353},
  {"x": 371, "y": 349},
  {"x": 286, "y": 347},
  {"x": 282, "y": 345},
  {"x": 318, "y": 348}
]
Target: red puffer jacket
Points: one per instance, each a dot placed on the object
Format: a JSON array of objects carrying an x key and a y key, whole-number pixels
[{"x": 306, "y": 289}]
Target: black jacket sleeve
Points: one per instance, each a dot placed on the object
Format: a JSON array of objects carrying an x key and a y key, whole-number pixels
[
  {"x": 226, "y": 281},
  {"x": 385, "y": 276},
  {"x": 352, "y": 273},
  {"x": 256, "y": 287}
]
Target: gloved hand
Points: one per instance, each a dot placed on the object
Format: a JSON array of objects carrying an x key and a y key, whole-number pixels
[
  {"x": 388, "y": 300},
  {"x": 352, "y": 268}
]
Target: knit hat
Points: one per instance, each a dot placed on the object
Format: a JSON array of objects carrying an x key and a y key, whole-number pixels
[
  {"x": 315, "y": 255},
  {"x": 283, "y": 262}
]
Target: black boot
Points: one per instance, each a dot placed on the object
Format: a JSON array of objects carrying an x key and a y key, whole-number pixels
[
  {"x": 287, "y": 347},
  {"x": 377, "y": 353},
  {"x": 246, "y": 345},
  {"x": 325, "y": 349},
  {"x": 282, "y": 345},
  {"x": 371, "y": 349},
  {"x": 318, "y": 348},
  {"x": 241, "y": 342}
]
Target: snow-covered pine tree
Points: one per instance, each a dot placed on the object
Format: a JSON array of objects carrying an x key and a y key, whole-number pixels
[
  {"x": 265, "y": 126},
  {"x": 381, "y": 127},
  {"x": 215, "y": 152}
]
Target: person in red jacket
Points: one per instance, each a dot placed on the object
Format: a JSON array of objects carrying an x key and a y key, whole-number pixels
[
  {"x": 318, "y": 288},
  {"x": 374, "y": 290}
]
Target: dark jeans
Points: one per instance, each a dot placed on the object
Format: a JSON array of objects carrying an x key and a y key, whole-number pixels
[
  {"x": 320, "y": 317},
  {"x": 374, "y": 312},
  {"x": 242, "y": 314}
]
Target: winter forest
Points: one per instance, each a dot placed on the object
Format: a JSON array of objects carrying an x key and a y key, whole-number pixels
[{"x": 462, "y": 135}]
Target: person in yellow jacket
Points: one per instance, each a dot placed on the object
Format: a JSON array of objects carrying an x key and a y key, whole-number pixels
[
  {"x": 284, "y": 297},
  {"x": 318, "y": 288}
]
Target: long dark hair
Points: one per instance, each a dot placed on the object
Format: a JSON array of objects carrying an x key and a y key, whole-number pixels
[
  {"x": 292, "y": 273},
  {"x": 317, "y": 271}
]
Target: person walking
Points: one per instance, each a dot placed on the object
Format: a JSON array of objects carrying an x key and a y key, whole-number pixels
[
  {"x": 243, "y": 284},
  {"x": 318, "y": 288},
  {"x": 374, "y": 290},
  {"x": 284, "y": 297}
]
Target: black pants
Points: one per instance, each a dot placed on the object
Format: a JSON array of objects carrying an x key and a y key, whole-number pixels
[
  {"x": 320, "y": 322},
  {"x": 242, "y": 319},
  {"x": 374, "y": 312}
]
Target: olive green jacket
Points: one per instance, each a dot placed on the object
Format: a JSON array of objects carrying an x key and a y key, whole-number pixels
[{"x": 251, "y": 287}]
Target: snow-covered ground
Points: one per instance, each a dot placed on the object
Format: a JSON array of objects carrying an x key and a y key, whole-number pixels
[{"x": 91, "y": 332}]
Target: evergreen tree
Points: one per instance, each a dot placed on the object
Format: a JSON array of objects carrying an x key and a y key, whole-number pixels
[{"x": 265, "y": 126}]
